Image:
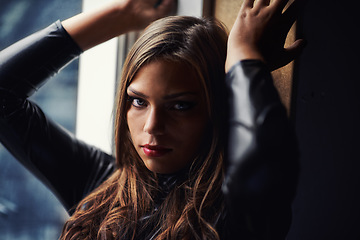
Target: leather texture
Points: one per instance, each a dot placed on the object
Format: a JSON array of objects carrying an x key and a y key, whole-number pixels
[
  {"x": 68, "y": 166},
  {"x": 261, "y": 157}
]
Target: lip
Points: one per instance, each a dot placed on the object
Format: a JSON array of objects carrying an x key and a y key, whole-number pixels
[{"x": 155, "y": 150}]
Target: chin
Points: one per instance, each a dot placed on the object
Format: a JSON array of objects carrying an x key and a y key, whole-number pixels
[{"x": 158, "y": 168}]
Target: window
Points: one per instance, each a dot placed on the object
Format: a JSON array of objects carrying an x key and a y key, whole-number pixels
[{"x": 28, "y": 210}]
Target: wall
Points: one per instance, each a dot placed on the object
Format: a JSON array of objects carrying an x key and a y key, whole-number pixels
[{"x": 327, "y": 123}]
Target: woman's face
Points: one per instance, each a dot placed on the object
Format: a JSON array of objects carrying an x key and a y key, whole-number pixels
[{"x": 167, "y": 116}]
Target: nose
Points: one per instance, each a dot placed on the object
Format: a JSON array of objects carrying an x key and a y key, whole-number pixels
[{"x": 155, "y": 122}]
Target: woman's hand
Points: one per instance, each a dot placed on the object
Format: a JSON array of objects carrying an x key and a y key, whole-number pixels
[
  {"x": 92, "y": 28},
  {"x": 259, "y": 32},
  {"x": 143, "y": 12}
]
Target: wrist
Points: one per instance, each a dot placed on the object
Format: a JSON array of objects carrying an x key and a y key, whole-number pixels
[{"x": 236, "y": 54}]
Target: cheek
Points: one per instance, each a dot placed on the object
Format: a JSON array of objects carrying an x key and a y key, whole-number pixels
[
  {"x": 193, "y": 132},
  {"x": 199, "y": 132},
  {"x": 192, "y": 142},
  {"x": 134, "y": 124}
]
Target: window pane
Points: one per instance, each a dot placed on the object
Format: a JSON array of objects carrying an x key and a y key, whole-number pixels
[{"x": 28, "y": 210}]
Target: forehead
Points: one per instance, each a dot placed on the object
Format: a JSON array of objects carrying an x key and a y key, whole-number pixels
[{"x": 166, "y": 77}]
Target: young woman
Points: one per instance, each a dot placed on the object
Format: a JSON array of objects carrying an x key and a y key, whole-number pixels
[{"x": 177, "y": 117}]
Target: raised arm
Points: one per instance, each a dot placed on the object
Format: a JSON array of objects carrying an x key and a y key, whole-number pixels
[
  {"x": 262, "y": 151},
  {"x": 91, "y": 28},
  {"x": 69, "y": 167}
]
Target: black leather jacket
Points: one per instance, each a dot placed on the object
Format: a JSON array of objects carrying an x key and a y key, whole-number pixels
[{"x": 261, "y": 157}]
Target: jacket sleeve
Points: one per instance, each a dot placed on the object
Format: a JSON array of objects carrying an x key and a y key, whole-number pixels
[
  {"x": 68, "y": 166},
  {"x": 261, "y": 156}
]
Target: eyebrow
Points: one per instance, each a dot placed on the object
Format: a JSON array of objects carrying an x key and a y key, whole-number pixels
[
  {"x": 137, "y": 93},
  {"x": 167, "y": 97}
]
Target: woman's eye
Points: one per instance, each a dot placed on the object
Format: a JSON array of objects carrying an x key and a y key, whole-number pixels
[
  {"x": 183, "y": 106},
  {"x": 137, "y": 102}
]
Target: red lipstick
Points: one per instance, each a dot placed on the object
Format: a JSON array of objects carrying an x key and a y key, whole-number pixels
[{"x": 155, "y": 150}]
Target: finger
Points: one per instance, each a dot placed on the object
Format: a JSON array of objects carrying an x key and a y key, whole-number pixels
[
  {"x": 262, "y": 3},
  {"x": 163, "y": 7},
  {"x": 287, "y": 55},
  {"x": 294, "y": 50},
  {"x": 248, "y": 4},
  {"x": 158, "y": 3}
]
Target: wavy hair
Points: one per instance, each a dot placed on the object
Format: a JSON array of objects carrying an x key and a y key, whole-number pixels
[{"x": 191, "y": 209}]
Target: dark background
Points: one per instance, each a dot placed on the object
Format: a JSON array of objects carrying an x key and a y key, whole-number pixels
[
  {"x": 327, "y": 119},
  {"x": 28, "y": 211}
]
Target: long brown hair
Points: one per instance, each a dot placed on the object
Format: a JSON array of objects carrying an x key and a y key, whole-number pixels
[{"x": 192, "y": 208}]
